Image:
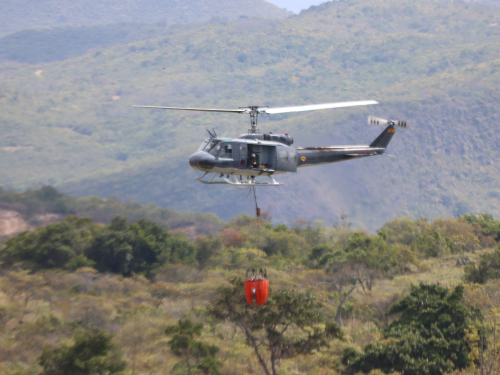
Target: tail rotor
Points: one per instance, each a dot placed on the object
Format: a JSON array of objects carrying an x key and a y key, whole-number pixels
[{"x": 380, "y": 121}]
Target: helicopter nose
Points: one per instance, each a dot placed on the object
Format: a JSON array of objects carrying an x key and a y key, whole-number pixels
[{"x": 202, "y": 161}]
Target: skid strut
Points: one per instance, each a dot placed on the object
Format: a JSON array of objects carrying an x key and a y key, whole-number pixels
[{"x": 233, "y": 180}]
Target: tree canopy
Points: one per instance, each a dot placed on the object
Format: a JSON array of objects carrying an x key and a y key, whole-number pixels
[
  {"x": 289, "y": 324},
  {"x": 198, "y": 357},
  {"x": 429, "y": 337}
]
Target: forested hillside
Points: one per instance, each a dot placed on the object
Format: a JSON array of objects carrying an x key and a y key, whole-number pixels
[
  {"x": 61, "y": 43},
  {"x": 30, "y": 209},
  {"x": 132, "y": 298},
  {"x": 16, "y": 15},
  {"x": 434, "y": 64}
]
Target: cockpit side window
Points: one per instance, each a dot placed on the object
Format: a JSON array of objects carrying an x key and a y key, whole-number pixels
[{"x": 227, "y": 151}]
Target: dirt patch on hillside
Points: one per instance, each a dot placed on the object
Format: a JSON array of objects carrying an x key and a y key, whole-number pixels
[{"x": 12, "y": 223}]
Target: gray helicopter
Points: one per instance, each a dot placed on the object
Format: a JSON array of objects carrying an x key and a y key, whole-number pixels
[{"x": 239, "y": 161}]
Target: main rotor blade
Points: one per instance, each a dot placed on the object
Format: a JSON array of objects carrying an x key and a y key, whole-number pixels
[
  {"x": 315, "y": 107},
  {"x": 193, "y": 109}
]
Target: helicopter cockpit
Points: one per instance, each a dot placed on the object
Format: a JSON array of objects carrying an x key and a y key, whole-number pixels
[{"x": 212, "y": 146}]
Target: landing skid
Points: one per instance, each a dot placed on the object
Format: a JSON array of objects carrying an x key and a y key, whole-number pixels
[{"x": 233, "y": 180}]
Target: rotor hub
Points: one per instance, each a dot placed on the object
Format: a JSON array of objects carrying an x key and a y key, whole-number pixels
[{"x": 254, "y": 111}]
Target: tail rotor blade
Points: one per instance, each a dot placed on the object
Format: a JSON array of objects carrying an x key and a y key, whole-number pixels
[
  {"x": 380, "y": 121},
  {"x": 376, "y": 121},
  {"x": 401, "y": 124}
]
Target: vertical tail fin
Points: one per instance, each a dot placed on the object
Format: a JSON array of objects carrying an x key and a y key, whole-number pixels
[{"x": 384, "y": 138}]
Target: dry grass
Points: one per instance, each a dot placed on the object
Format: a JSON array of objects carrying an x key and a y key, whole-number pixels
[{"x": 44, "y": 309}]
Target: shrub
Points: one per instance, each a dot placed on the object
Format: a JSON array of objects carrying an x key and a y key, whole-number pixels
[{"x": 92, "y": 353}]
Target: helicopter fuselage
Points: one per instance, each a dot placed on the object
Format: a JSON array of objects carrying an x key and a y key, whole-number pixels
[
  {"x": 245, "y": 157},
  {"x": 253, "y": 155}
]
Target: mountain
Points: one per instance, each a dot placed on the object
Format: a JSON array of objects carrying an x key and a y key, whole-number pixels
[
  {"x": 16, "y": 15},
  {"x": 434, "y": 64},
  {"x": 61, "y": 43}
]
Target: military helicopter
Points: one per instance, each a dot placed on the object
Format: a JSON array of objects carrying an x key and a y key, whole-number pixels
[{"x": 240, "y": 161}]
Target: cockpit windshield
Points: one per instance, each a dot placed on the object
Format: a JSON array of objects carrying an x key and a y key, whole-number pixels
[
  {"x": 204, "y": 144},
  {"x": 212, "y": 146}
]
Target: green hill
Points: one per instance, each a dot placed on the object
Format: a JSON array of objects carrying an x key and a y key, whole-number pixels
[
  {"x": 435, "y": 64},
  {"x": 61, "y": 43},
  {"x": 16, "y": 15}
]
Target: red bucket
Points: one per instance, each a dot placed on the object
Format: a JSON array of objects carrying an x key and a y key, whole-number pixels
[{"x": 257, "y": 287}]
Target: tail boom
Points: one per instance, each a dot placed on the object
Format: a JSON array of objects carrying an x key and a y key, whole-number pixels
[{"x": 310, "y": 156}]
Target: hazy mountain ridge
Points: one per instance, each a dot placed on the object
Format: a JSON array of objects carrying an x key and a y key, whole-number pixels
[
  {"x": 16, "y": 15},
  {"x": 61, "y": 43},
  {"x": 435, "y": 66}
]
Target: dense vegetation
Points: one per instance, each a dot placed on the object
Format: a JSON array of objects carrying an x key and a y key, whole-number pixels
[
  {"x": 39, "y": 206},
  {"x": 136, "y": 280},
  {"x": 120, "y": 247},
  {"x": 434, "y": 64},
  {"x": 430, "y": 336},
  {"x": 29, "y": 14}
]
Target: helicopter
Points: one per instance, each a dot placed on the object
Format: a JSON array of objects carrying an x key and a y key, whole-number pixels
[{"x": 240, "y": 161}]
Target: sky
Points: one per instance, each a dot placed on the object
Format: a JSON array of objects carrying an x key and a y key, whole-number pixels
[{"x": 295, "y": 5}]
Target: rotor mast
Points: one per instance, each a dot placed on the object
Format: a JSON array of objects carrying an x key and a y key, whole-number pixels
[{"x": 254, "y": 111}]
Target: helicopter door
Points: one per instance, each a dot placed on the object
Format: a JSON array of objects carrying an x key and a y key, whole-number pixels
[{"x": 243, "y": 155}]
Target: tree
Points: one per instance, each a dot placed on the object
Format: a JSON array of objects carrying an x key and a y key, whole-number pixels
[
  {"x": 489, "y": 226},
  {"x": 111, "y": 248},
  {"x": 432, "y": 244},
  {"x": 52, "y": 246},
  {"x": 343, "y": 278},
  {"x": 317, "y": 253},
  {"x": 205, "y": 248},
  {"x": 140, "y": 248},
  {"x": 284, "y": 243},
  {"x": 430, "y": 337},
  {"x": 310, "y": 232},
  {"x": 197, "y": 356},
  {"x": 92, "y": 353},
  {"x": 231, "y": 238},
  {"x": 488, "y": 268},
  {"x": 288, "y": 325},
  {"x": 404, "y": 230}
]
